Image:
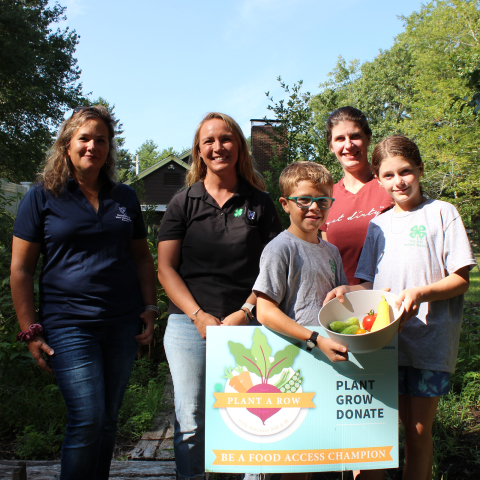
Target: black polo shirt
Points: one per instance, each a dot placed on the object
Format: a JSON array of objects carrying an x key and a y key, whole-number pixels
[
  {"x": 88, "y": 276},
  {"x": 221, "y": 247}
]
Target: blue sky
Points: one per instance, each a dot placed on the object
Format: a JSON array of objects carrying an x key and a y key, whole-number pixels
[{"x": 164, "y": 64}]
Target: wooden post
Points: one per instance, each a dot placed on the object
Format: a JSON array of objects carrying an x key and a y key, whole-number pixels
[{"x": 20, "y": 472}]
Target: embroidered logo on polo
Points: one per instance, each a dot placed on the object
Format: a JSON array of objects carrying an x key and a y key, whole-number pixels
[
  {"x": 417, "y": 236},
  {"x": 250, "y": 215},
  {"x": 123, "y": 215},
  {"x": 238, "y": 212}
]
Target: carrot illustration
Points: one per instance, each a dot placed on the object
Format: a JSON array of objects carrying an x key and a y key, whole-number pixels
[{"x": 242, "y": 382}]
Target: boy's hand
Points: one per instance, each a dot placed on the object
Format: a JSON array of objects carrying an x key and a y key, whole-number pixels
[
  {"x": 334, "y": 351},
  {"x": 411, "y": 298}
]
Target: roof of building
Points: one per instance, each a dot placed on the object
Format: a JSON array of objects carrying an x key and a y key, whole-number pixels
[{"x": 180, "y": 160}]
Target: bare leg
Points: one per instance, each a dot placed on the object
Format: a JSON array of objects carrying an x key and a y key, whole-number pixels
[{"x": 417, "y": 415}]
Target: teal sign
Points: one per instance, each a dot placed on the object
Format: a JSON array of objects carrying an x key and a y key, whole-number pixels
[{"x": 272, "y": 407}]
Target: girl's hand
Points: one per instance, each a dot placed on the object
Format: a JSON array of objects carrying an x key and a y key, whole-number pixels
[
  {"x": 235, "y": 318},
  {"x": 336, "y": 292},
  {"x": 37, "y": 346},
  {"x": 334, "y": 351},
  {"x": 411, "y": 298},
  {"x": 148, "y": 317},
  {"x": 203, "y": 320},
  {"x": 339, "y": 292}
]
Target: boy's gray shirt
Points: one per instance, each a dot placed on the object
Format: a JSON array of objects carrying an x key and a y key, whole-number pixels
[
  {"x": 417, "y": 248},
  {"x": 298, "y": 275}
]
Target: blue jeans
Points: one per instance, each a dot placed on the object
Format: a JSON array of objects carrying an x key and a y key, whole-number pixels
[
  {"x": 186, "y": 351},
  {"x": 92, "y": 367}
]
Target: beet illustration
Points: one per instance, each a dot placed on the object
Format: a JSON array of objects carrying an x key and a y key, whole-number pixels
[
  {"x": 257, "y": 361},
  {"x": 263, "y": 413}
]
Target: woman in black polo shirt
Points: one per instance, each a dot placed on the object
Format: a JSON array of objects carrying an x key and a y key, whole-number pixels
[
  {"x": 210, "y": 243},
  {"x": 96, "y": 286}
]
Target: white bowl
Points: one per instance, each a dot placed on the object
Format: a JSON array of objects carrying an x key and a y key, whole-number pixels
[{"x": 358, "y": 304}]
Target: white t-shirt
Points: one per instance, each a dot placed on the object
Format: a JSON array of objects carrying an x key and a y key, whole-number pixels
[
  {"x": 412, "y": 249},
  {"x": 298, "y": 275}
]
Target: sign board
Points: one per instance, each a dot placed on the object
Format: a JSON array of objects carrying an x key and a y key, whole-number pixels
[{"x": 272, "y": 407}]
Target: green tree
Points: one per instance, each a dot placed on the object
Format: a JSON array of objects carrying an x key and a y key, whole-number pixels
[
  {"x": 149, "y": 154},
  {"x": 444, "y": 40},
  {"x": 414, "y": 89},
  {"x": 38, "y": 83},
  {"x": 294, "y": 135}
]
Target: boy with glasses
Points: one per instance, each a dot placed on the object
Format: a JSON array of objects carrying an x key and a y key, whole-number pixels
[{"x": 297, "y": 268}]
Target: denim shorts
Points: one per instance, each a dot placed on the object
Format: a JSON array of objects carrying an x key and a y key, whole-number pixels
[{"x": 419, "y": 382}]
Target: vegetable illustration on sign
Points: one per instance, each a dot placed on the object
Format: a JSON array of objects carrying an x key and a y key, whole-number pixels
[{"x": 257, "y": 361}]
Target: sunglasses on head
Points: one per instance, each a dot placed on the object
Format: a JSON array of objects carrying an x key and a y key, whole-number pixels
[{"x": 80, "y": 109}]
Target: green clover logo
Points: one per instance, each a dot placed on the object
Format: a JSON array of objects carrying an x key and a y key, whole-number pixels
[
  {"x": 418, "y": 231},
  {"x": 238, "y": 212},
  {"x": 332, "y": 265}
]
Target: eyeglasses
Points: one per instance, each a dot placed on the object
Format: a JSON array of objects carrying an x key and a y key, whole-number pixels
[
  {"x": 306, "y": 202},
  {"x": 80, "y": 109}
]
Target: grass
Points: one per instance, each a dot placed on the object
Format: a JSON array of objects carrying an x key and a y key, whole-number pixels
[
  {"x": 473, "y": 294},
  {"x": 32, "y": 409}
]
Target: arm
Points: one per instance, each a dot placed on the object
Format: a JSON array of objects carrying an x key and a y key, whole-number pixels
[
  {"x": 323, "y": 235},
  {"x": 24, "y": 261},
  {"x": 456, "y": 283},
  {"x": 271, "y": 316},
  {"x": 146, "y": 274},
  {"x": 168, "y": 263},
  {"x": 238, "y": 317}
]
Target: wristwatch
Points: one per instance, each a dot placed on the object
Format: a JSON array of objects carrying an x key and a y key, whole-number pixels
[{"x": 312, "y": 341}]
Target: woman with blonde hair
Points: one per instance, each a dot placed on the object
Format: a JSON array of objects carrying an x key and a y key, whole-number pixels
[
  {"x": 210, "y": 242},
  {"x": 97, "y": 285}
]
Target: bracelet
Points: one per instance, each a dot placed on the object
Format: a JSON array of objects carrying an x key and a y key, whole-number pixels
[
  {"x": 152, "y": 307},
  {"x": 248, "y": 318},
  {"x": 195, "y": 314},
  {"x": 35, "y": 330}
]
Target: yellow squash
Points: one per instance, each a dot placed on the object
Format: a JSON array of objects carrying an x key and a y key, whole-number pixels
[{"x": 383, "y": 316}]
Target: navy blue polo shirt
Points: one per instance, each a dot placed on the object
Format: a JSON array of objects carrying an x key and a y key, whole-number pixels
[
  {"x": 88, "y": 276},
  {"x": 221, "y": 246}
]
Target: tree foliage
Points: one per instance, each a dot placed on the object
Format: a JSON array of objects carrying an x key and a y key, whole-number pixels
[
  {"x": 427, "y": 87},
  {"x": 38, "y": 83},
  {"x": 294, "y": 136},
  {"x": 149, "y": 154}
]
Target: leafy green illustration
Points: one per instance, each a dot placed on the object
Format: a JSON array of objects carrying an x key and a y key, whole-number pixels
[
  {"x": 257, "y": 360},
  {"x": 261, "y": 351},
  {"x": 283, "y": 359},
  {"x": 244, "y": 357}
]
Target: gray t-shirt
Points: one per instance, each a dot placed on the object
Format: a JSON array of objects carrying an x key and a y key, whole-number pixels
[
  {"x": 298, "y": 275},
  {"x": 412, "y": 249}
]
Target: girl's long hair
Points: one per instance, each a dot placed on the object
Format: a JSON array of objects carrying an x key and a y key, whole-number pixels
[
  {"x": 58, "y": 166},
  {"x": 244, "y": 165}
]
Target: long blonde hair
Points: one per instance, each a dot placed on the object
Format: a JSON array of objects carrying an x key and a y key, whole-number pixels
[
  {"x": 244, "y": 166},
  {"x": 58, "y": 166}
]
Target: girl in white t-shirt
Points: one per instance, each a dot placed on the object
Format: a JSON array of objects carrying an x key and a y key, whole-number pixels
[{"x": 420, "y": 250}]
